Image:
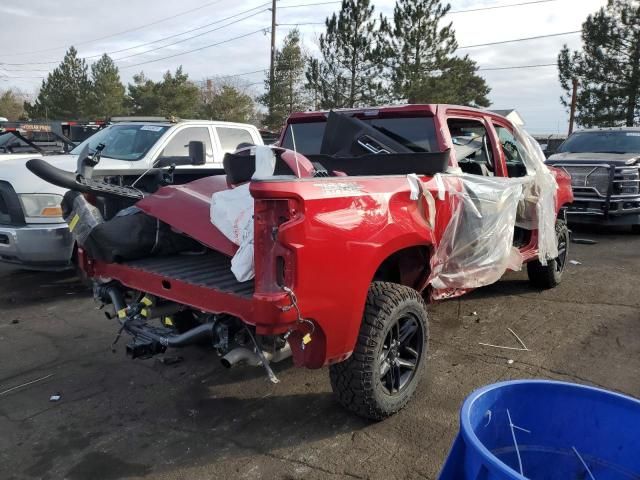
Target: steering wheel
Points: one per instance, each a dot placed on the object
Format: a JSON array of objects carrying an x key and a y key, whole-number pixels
[
  {"x": 510, "y": 150},
  {"x": 487, "y": 152}
]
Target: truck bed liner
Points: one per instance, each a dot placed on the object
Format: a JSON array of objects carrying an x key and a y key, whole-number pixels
[{"x": 211, "y": 270}]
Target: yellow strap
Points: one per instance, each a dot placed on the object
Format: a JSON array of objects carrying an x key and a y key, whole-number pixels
[
  {"x": 122, "y": 313},
  {"x": 74, "y": 221},
  {"x": 168, "y": 321},
  {"x": 146, "y": 301},
  {"x": 306, "y": 339}
]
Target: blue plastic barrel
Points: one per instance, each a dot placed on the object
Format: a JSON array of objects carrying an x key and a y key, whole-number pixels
[{"x": 538, "y": 429}]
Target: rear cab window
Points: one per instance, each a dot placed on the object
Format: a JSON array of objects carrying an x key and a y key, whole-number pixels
[
  {"x": 416, "y": 133},
  {"x": 231, "y": 137}
]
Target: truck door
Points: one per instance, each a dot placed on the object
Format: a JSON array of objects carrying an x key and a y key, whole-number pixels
[
  {"x": 178, "y": 145},
  {"x": 474, "y": 145},
  {"x": 511, "y": 150}
]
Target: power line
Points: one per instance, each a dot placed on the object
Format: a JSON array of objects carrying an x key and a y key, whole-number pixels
[
  {"x": 307, "y": 5},
  {"x": 453, "y": 12},
  {"x": 197, "y": 49},
  {"x": 166, "y": 38},
  {"x": 495, "y": 7},
  {"x": 488, "y": 69},
  {"x": 119, "y": 33},
  {"x": 191, "y": 37},
  {"x": 188, "y": 31},
  {"x": 298, "y": 24},
  {"x": 520, "y": 39}
]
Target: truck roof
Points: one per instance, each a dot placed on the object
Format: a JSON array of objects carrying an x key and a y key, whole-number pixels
[
  {"x": 172, "y": 121},
  {"x": 427, "y": 109},
  {"x": 609, "y": 129}
]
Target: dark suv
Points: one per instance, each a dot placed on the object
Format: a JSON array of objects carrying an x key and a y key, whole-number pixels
[{"x": 604, "y": 165}]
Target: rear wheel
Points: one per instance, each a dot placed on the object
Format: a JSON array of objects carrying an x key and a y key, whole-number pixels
[
  {"x": 390, "y": 354},
  {"x": 550, "y": 275}
]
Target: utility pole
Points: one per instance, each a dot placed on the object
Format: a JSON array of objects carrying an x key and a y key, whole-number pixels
[
  {"x": 574, "y": 100},
  {"x": 273, "y": 53}
]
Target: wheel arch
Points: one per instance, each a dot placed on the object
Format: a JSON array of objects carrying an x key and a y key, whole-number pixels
[{"x": 408, "y": 266}]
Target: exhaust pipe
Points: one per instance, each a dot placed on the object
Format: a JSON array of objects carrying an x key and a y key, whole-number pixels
[
  {"x": 195, "y": 335},
  {"x": 251, "y": 358}
]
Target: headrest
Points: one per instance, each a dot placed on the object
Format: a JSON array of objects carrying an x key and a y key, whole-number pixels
[{"x": 240, "y": 166}]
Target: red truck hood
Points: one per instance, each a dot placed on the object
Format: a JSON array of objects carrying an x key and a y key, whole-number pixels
[{"x": 186, "y": 208}]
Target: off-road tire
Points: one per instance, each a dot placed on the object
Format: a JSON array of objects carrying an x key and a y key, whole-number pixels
[
  {"x": 354, "y": 382},
  {"x": 550, "y": 275}
]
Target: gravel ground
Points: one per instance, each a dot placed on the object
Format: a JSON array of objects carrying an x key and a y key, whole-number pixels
[{"x": 119, "y": 418}]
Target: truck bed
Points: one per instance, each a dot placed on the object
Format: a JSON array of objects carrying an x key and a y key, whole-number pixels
[{"x": 211, "y": 270}]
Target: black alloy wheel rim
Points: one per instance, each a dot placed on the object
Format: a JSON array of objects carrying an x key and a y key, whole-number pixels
[
  {"x": 401, "y": 354},
  {"x": 561, "y": 259}
]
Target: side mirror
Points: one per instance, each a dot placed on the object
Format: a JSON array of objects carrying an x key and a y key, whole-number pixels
[{"x": 197, "y": 153}]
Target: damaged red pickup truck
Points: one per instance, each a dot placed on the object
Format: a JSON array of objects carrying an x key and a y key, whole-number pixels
[{"x": 362, "y": 216}]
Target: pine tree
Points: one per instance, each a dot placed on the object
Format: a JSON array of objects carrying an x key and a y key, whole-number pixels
[
  {"x": 420, "y": 53},
  {"x": 287, "y": 93},
  {"x": 63, "y": 95},
  {"x": 607, "y": 69},
  {"x": 175, "y": 95},
  {"x": 107, "y": 92},
  {"x": 226, "y": 103},
  {"x": 180, "y": 96},
  {"x": 143, "y": 98},
  {"x": 348, "y": 75}
]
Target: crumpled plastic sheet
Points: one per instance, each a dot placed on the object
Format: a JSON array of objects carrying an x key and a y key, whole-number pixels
[
  {"x": 476, "y": 248},
  {"x": 83, "y": 218},
  {"x": 477, "y": 245},
  {"x": 232, "y": 213}
]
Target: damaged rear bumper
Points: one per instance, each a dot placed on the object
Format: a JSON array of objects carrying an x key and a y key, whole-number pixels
[{"x": 203, "y": 282}]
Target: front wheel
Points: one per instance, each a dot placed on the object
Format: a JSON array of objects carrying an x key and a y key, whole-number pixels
[
  {"x": 550, "y": 275},
  {"x": 390, "y": 354}
]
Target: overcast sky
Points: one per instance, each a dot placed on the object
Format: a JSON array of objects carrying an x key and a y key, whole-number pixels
[{"x": 41, "y": 30}]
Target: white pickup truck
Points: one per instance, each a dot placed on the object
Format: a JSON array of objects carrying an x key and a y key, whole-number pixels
[{"x": 32, "y": 231}]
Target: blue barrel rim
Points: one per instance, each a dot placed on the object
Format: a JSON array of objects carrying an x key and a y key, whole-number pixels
[{"x": 470, "y": 438}]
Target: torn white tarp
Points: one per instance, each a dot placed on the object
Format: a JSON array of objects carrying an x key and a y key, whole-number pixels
[{"x": 232, "y": 214}]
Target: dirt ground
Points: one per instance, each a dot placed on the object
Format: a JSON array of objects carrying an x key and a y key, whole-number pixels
[{"x": 119, "y": 418}]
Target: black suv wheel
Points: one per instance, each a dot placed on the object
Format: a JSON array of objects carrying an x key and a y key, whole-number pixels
[
  {"x": 390, "y": 354},
  {"x": 550, "y": 275}
]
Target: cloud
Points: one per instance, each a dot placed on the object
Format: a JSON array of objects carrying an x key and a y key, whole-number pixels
[{"x": 43, "y": 25}]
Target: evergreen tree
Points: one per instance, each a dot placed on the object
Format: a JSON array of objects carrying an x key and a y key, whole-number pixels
[
  {"x": 175, "y": 95},
  {"x": 180, "y": 96},
  {"x": 226, "y": 103},
  {"x": 608, "y": 67},
  {"x": 143, "y": 98},
  {"x": 287, "y": 93},
  {"x": 63, "y": 95},
  {"x": 348, "y": 74},
  {"x": 420, "y": 53},
  {"x": 107, "y": 92}
]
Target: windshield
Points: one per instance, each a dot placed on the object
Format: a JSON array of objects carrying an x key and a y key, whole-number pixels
[
  {"x": 602, "y": 142},
  {"x": 416, "y": 133},
  {"x": 124, "y": 142}
]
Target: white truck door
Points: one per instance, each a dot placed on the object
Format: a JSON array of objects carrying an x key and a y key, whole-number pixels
[{"x": 178, "y": 144}]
